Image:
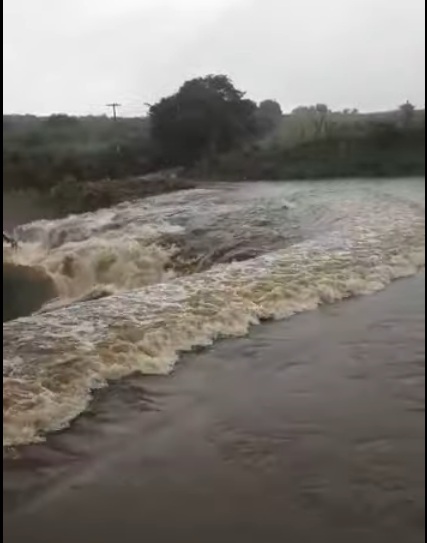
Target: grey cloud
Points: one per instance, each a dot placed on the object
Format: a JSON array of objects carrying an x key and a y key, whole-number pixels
[{"x": 75, "y": 56}]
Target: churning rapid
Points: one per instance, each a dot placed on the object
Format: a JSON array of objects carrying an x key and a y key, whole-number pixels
[{"x": 137, "y": 284}]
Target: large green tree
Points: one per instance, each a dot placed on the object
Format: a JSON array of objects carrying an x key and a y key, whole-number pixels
[{"x": 207, "y": 116}]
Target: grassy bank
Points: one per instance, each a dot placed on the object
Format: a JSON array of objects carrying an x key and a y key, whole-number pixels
[
  {"x": 71, "y": 196},
  {"x": 391, "y": 153}
]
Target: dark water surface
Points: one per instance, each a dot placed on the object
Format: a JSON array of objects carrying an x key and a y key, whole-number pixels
[{"x": 307, "y": 430}]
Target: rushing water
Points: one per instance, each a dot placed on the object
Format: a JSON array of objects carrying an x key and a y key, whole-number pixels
[{"x": 140, "y": 283}]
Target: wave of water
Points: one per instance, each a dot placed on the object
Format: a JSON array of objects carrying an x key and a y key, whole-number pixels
[{"x": 187, "y": 269}]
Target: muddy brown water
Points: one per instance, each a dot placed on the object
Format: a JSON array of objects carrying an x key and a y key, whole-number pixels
[
  {"x": 303, "y": 429},
  {"x": 309, "y": 429}
]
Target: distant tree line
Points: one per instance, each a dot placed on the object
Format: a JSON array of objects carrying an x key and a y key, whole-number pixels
[{"x": 210, "y": 128}]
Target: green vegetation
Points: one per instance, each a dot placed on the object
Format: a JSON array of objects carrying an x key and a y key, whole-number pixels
[
  {"x": 372, "y": 148},
  {"x": 39, "y": 152},
  {"x": 212, "y": 130},
  {"x": 206, "y": 117}
]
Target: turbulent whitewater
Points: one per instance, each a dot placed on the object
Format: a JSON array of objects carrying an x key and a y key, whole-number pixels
[{"x": 138, "y": 284}]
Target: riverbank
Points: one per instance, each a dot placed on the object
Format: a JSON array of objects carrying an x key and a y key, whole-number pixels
[
  {"x": 309, "y": 429},
  {"x": 382, "y": 153},
  {"x": 69, "y": 197}
]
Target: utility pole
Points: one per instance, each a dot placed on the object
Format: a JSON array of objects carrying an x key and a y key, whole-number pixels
[{"x": 114, "y": 107}]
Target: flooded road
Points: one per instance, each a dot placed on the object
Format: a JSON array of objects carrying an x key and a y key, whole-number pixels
[
  {"x": 128, "y": 415},
  {"x": 308, "y": 430}
]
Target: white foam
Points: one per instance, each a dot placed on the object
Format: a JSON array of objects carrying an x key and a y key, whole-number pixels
[{"x": 53, "y": 362}]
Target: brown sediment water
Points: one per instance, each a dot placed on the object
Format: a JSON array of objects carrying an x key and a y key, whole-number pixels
[
  {"x": 309, "y": 429},
  {"x": 25, "y": 290},
  {"x": 294, "y": 430}
]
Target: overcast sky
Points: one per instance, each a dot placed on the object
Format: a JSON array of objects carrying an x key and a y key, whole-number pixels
[{"x": 74, "y": 56}]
